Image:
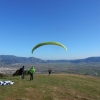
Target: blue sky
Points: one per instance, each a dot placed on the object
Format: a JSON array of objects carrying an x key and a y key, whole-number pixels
[{"x": 74, "y": 23}]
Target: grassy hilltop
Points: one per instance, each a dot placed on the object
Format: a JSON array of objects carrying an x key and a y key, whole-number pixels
[{"x": 54, "y": 87}]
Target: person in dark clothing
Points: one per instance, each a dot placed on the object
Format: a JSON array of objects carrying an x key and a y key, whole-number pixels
[
  {"x": 49, "y": 71},
  {"x": 22, "y": 72}
]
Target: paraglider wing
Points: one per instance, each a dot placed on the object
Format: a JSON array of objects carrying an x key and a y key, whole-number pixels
[{"x": 49, "y": 43}]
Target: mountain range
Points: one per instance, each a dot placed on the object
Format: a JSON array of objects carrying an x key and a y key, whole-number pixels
[{"x": 11, "y": 59}]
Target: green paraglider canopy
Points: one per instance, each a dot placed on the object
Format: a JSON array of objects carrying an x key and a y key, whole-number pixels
[{"x": 49, "y": 43}]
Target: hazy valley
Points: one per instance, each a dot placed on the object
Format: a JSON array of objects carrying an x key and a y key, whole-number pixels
[{"x": 89, "y": 66}]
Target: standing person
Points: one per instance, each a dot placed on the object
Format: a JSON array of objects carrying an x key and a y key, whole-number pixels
[
  {"x": 22, "y": 72},
  {"x": 32, "y": 71},
  {"x": 49, "y": 71}
]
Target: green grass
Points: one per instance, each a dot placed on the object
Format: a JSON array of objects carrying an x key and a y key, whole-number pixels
[{"x": 54, "y": 87}]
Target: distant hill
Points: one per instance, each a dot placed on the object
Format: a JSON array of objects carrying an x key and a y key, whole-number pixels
[
  {"x": 87, "y": 60},
  {"x": 11, "y": 59}
]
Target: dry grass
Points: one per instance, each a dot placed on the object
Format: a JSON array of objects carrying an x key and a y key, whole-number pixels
[{"x": 54, "y": 87}]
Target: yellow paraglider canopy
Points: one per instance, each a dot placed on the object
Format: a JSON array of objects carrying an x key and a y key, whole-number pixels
[{"x": 49, "y": 43}]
